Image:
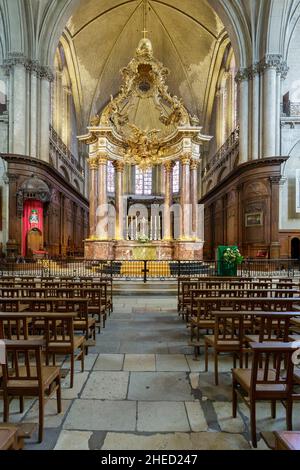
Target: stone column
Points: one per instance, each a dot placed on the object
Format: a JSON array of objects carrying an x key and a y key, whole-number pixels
[
  {"x": 168, "y": 168},
  {"x": 194, "y": 197},
  {"x": 93, "y": 165},
  {"x": 269, "y": 107},
  {"x": 102, "y": 209},
  {"x": 33, "y": 114},
  {"x": 119, "y": 179},
  {"x": 274, "y": 219},
  {"x": 19, "y": 103},
  {"x": 242, "y": 79},
  {"x": 185, "y": 200},
  {"x": 255, "y": 112},
  {"x": 45, "y": 113}
]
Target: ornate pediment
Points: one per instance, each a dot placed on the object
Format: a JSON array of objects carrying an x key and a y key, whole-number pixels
[{"x": 144, "y": 122}]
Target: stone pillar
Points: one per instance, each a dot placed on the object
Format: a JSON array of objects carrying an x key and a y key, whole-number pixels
[
  {"x": 45, "y": 113},
  {"x": 194, "y": 197},
  {"x": 102, "y": 208},
  {"x": 269, "y": 109},
  {"x": 185, "y": 201},
  {"x": 242, "y": 79},
  {"x": 33, "y": 115},
  {"x": 19, "y": 108},
  {"x": 255, "y": 153},
  {"x": 119, "y": 178},
  {"x": 93, "y": 165},
  {"x": 168, "y": 168},
  {"x": 274, "y": 217}
]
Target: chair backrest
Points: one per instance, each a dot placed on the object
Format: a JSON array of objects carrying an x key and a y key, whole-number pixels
[
  {"x": 59, "y": 330},
  {"x": 228, "y": 327},
  {"x": 276, "y": 374},
  {"x": 14, "y": 328},
  {"x": 26, "y": 358},
  {"x": 273, "y": 325}
]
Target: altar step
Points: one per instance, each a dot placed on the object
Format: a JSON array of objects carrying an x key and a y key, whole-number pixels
[{"x": 138, "y": 288}]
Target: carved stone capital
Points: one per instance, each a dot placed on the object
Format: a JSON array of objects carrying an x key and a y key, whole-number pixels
[
  {"x": 33, "y": 66},
  {"x": 194, "y": 164},
  {"x": 93, "y": 163},
  {"x": 102, "y": 158},
  {"x": 242, "y": 75},
  {"x": 169, "y": 166},
  {"x": 275, "y": 62},
  {"x": 119, "y": 166},
  {"x": 185, "y": 159}
]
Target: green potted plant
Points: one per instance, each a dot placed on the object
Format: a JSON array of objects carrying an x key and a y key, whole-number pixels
[{"x": 231, "y": 259}]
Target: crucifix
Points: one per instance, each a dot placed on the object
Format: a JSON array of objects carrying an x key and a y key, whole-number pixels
[{"x": 145, "y": 18}]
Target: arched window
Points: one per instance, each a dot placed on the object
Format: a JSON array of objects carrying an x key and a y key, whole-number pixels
[
  {"x": 176, "y": 178},
  {"x": 110, "y": 177},
  {"x": 143, "y": 181}
]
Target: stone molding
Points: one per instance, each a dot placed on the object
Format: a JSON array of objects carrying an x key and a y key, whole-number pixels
[
  {"x": 32, "y": 66},
  {"x": 270, "y": 61}
]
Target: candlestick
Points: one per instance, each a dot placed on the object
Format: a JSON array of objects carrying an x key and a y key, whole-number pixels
[
  {"x": 159, "y": 235},
  {"x": 136, "y": 228}
]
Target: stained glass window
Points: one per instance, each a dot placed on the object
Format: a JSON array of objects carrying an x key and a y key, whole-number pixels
[
  {"x": 110, "y": 177},
  {"x": 143, "y": 181},
  {"x": 176, "y": 178}
]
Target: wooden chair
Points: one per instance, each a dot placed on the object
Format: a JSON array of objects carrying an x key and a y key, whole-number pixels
[
  {"x": 60, "y": 340},
  {"x": 228, "y": 337},
  {"x": 266, "y": 382},
  {"x": 29, "y": 377}
]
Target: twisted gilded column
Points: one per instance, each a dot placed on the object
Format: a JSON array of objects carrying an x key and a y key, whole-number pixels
[
  {"x": 102, "y": 208},
  {"x": 168, "y": 173},
  {"x": 119, "y": 183},
  {"x": 194, "y": 197},
  {"x": 185, "y": 199},
  {"x": 93, "y": 166}
]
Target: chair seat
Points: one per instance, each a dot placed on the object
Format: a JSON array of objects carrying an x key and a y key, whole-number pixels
[
  {"x": 255, "y": 338},
  {"x": 243, "y": 377},
  {"x": 210, "y": 339},
  {"x": 48, "y": 376},
  {"x": 59, "y": 344},
  {"x": 80, "y": 324},
  {"x": 205, "y": 324}
]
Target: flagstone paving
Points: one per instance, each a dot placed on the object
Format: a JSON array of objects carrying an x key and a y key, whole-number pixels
[{"x": 142, "y": 389}]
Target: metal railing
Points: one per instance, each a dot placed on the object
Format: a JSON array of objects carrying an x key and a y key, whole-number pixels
[
  {"x": 290, "y": 109},
  {"x": 230, "y": 147},
  {"x": 64, "y": 152},
  {"x": 144, "y": 270}
]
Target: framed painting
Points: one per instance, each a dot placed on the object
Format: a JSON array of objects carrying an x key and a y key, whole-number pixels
[{"x": 254, "y": 219}]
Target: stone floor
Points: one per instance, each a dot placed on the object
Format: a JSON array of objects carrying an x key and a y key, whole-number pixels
[{"x": 141, "y": 389}]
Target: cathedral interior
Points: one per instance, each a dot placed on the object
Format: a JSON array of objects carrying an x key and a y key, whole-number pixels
[{"x": 150, "y": 214}]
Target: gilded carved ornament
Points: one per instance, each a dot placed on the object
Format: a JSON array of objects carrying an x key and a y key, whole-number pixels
[
  {"x": 93, "y": 163},
  {"x": 185, "y": 159}
]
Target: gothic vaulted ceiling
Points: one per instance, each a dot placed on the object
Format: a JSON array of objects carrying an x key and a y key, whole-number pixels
[{"x": 186, "y": 35}]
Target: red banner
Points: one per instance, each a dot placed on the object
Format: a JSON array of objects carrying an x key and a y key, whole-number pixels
[{"x": 32, "y": 219}]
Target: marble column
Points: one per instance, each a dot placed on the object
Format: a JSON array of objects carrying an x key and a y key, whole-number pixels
[
  {"x": 269, "y": 110},
  {"x": 168, "y": 170},
  {"x": 93, "y": 165},
  {"x": 119, "y": 184},
  {"x": 194, "y": 197},
  {"x": 185, "y": 200},
  {"x": 102, "y": 207},
  {"x": 242, "y": 79}
]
